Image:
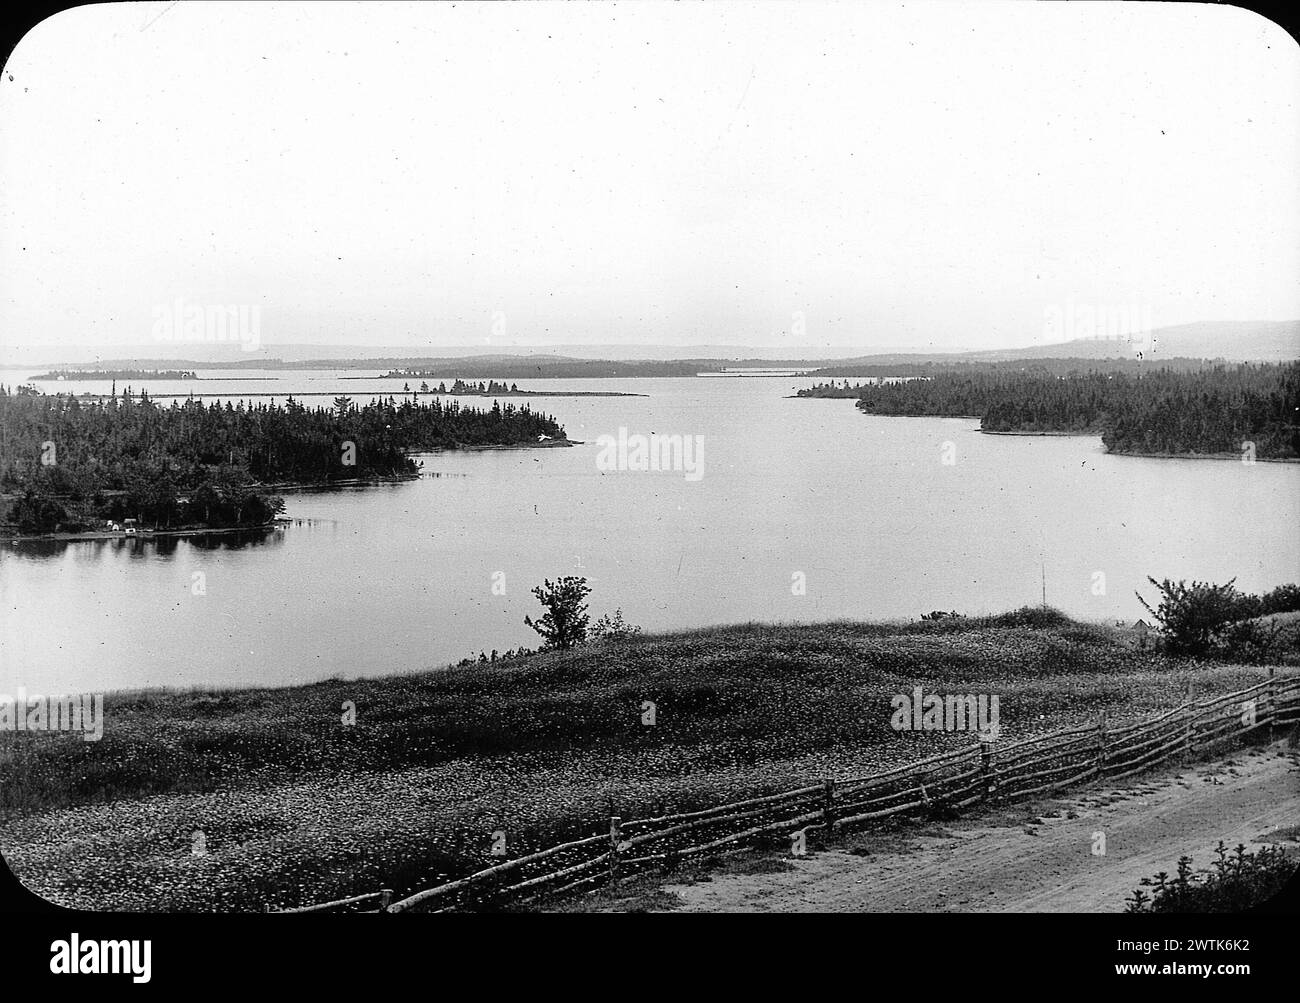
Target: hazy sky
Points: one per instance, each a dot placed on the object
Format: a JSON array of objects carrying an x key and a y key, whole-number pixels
[{"x": 930, "y": 175}]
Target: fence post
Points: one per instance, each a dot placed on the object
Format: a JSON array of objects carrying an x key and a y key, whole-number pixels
[
  {"x": 1189, "y": 737},
  {"x": 828, "y": 808},
  {"x": 385, "y": 899},
  {"x": 986, "y": 768},
  {"x": 1101, "y": 742},
  {"x": 1272, "y": 703},
  {"x": 615, "y": 837}
]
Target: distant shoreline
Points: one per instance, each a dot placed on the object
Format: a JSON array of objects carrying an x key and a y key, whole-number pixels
[
  {"x": 144, "y": 534},
  {"x": 377, "y": 393},
  {"x": 1072, "y": 435},
  {"x": 1235, "y": 457},
  {"x": 91, "y": 378},
  {"x": 283, "y": 486},
  {"x": 873, "y": 414},
  {"x": 513, "y": 393},
  {"x": 548, "y": 444}
]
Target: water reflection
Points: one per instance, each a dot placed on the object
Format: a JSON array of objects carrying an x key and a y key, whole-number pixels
[{"x": 143, "y": 546}]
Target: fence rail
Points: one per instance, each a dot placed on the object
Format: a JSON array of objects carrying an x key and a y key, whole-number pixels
[{"x": 954, "y": 779}]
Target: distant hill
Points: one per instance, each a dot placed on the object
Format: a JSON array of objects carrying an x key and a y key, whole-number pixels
[
  {"x": 1237, "y": 341},
  {"x": 1232, "y": 341},
  {"x": 228, "y": 355}
]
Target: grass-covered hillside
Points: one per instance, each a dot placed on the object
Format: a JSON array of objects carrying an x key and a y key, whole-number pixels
[{"x": 287, "y": 804}]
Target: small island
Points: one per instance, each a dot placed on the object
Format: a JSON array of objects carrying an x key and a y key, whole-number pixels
[
  {"x": 118, "y": 374},
  {"x": 74, "y": 468},
  {"x": 490, "y": 388}
]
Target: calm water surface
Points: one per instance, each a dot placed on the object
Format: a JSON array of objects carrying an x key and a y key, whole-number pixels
[{"x": 374, "y": 580}]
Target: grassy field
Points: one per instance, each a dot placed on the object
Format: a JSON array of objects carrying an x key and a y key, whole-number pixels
[{"x": 290, "y": 805}]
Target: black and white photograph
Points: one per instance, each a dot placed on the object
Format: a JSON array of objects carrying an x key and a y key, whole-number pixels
[{"x": 569, "y": 459}]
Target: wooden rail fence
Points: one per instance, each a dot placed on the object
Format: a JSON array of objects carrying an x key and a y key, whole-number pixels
[{"x": 956, "y": 779}]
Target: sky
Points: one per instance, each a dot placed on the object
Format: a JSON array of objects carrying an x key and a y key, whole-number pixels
[{"x": 923, "y": 176}]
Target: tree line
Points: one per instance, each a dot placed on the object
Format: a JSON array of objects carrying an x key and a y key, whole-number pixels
[
  {"x": 461, "y": 387},
  {"x": 118, "y": 374},
  {"x": 558, "y": 368},
  {"x": 69, "y": 464},
  {"x": 1218, "y": 409},
  {"x": 1067, "y": 366}
]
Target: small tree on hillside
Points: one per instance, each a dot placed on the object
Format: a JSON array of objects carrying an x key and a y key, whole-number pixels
[
  {"x": 1283, "y": 599},
  {"x": 564, "y": 625},
  {"x": 1192, "y": 617},
  {"x": 613, "y": 628}
]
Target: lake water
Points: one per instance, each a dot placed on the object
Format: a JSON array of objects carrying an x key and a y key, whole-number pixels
[{"x": 863, "y": 510}]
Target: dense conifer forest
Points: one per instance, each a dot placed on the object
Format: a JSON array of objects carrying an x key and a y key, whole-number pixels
[
  {"x": 70, "y": 465},
  {"x": 118, "y": 374},
  {"x": 1217, "y": 409},
  {"x": 1068, "y": 366}
]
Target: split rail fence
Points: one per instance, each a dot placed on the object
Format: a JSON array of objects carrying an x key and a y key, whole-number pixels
[{"x": 953, "y": 780}]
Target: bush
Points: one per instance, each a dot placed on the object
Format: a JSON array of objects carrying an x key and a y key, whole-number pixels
[
  {"x": 613, "y": 628},
  {"x": 1252, "y": 642},
  {"x": 1192, "y": 617},
  {"x": 565, "y": 622},
  {"x": 1233, "y": 883},
  {"x": 1283, "y": 599},
  {"x": 35, "y": 514}
]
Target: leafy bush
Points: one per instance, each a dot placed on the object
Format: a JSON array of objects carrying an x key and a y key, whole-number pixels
[
  {"x": 613, "y": 628},
  {"x": 1192, "y": 617},
  {"x": 1252, "y": 642},
  {"x": 565, "y": 622},
  {"x": 34, "y": 514},
  {"x": 1196, "y": 619},
  {"x": 1283, "y": 599},
  {"x": 1235, "y": 882}
]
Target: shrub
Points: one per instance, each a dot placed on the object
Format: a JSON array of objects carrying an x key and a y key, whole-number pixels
[
  {"x": 565, "y": 622},
  {"x": 1235, "y": 882},
  {"x": 1283, "y": 599},
  {"x": 613, "y": 628},
  {"x": 1252, "y": 642},
  {"x": 1192, "y": 617}
]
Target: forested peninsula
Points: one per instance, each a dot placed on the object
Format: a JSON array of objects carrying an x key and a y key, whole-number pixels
[
  {"x": 1216, "y": 410},
  {"x": 127, "y": 464}
]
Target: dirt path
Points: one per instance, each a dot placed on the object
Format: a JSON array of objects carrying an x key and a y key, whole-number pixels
[{"x": 1035, "y": 857}]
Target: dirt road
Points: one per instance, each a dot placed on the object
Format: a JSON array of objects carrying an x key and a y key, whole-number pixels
[{"x": 1035, "y": 857}]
